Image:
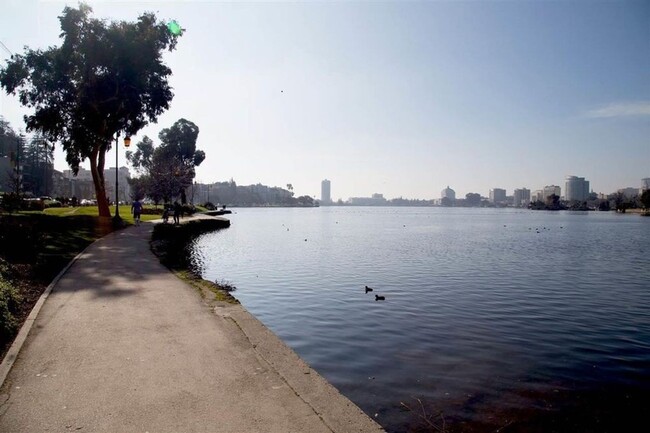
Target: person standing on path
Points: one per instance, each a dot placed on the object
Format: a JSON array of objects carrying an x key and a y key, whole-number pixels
[
  {"x": 136, "y": 210},
  {"x": 177, "y": 212}
]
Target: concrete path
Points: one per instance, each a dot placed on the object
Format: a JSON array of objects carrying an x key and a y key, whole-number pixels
[{"x": 122, "y": 345}]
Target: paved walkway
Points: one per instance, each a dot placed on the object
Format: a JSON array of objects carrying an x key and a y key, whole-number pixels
[{"x": 122, "y": 345}]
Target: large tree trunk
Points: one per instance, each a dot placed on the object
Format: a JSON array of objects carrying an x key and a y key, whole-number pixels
[{"x": 98, "y": 180}]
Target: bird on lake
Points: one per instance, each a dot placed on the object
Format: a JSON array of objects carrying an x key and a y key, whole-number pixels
[
  {"x": 368, "y": 289},
  {"x": 380, "y": 298}
]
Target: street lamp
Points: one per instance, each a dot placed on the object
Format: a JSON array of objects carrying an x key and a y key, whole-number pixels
[{"x": 127, "y": 143}]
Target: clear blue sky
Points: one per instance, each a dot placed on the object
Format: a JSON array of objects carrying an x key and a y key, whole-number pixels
[{"x": 400, "y": 98}]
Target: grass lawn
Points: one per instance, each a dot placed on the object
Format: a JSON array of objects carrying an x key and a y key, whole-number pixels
[{"x": 125, "y": 212}]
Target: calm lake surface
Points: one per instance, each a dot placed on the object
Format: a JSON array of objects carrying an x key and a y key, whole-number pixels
[{"x": 486, "y": 325}]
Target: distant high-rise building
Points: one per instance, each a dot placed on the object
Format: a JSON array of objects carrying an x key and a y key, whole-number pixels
[
  {"x": 537, "y": 195},
  {"x": 629, "y": 192},
  {"x": 550, "y": 190},
  {"x": 325, "y": 192},
  {"x": 448, "y": 193},
  {"x": 497, "y": 195},
  {"x": 645, "y": 183},
  {"x": 521, "y": 197},
  {"x": 576, "y": 188}
]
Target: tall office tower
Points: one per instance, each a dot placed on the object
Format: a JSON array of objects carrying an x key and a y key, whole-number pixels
[
  {"x": 498, "y": 195},
  {"x": 521, "y": 197},
  {"x": 325, "y": 192}
]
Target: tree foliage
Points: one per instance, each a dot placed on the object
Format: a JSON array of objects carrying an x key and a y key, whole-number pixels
[
  {"x": 9, "y": 138},
  {"x": 645, "y": 199},
  {"x": 168, "y": 170},
  {"x": 38, "y": 166},
  {"x": 106, "y": 78},
  {"x": 473, "y": 199},
  {"x": 622, "y": 202}
]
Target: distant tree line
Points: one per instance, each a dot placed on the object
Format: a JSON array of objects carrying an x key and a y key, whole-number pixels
[{"x": 230, "y": 194}]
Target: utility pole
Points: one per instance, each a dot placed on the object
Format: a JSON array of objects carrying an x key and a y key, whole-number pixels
[{"x": 18, "y": 183}]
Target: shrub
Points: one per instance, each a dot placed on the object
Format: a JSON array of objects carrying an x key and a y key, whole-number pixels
[
  {"x": 9, "y": 303},
  {"x": 188, "y": 209},
  {"x": 35, "y": 204},
  {"x": 152, "y": 211},
  {"x": 11, "y": 202}
]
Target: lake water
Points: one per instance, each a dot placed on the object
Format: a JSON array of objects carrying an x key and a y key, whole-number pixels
[{"x": 487, "y": 324}]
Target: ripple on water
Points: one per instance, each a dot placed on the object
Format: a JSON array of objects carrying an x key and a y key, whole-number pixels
[{"x": 480, "y": 321}]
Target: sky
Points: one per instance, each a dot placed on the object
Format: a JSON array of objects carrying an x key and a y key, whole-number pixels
[{"x": 399, "y": 98}]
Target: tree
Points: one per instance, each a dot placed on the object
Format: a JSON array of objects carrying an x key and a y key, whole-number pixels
[
  {"x": 473, "y": 199},
  {"x": 38, "y": 166},
  {"x": 604, "y": 205},
  {"x": 645, "y": 199},
  {"x": 139, "y": 187},
  {"x": 106, "y": 78},
  {"x": 622, "y": 202},
  {"x": 178, "y": 145},
  {"x": 553, "y": 202},
  {"x": 305, "y": 200},
  {"x": 169, "y": 169},
  {"x": 8, "y": 138},
  {"x": 11, "y": 146}
]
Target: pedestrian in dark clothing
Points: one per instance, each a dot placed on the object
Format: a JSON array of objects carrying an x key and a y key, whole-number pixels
[
  {"x": 177, "y": 212},
  {"x": 136, "y": 210}
]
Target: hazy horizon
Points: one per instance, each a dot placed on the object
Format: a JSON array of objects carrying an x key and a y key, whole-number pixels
[{"x": 397, "y": 98}]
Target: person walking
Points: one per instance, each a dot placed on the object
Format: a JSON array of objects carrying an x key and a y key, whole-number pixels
[
  {"x": 165, "y": 215},
  {"x": 136, "y": 210}
]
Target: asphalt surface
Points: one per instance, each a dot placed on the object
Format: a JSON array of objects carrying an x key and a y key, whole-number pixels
[{"x": 122, "y": 345}]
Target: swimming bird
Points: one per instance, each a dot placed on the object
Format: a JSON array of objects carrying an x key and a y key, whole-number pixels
[
  {"x": 380, "y": 298},
  {"x": 368, "y": 289}
]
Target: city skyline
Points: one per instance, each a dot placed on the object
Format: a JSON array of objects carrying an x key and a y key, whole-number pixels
[{"x": 396, "y": 98}]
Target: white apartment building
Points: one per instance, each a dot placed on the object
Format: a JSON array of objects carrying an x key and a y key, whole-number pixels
[
  {"x": 576, "y": 188},
  {"x": 448, "y": 193}
]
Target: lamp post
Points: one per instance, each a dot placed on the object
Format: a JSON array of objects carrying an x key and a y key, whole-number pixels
[{"x": 127, "y": 143}]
